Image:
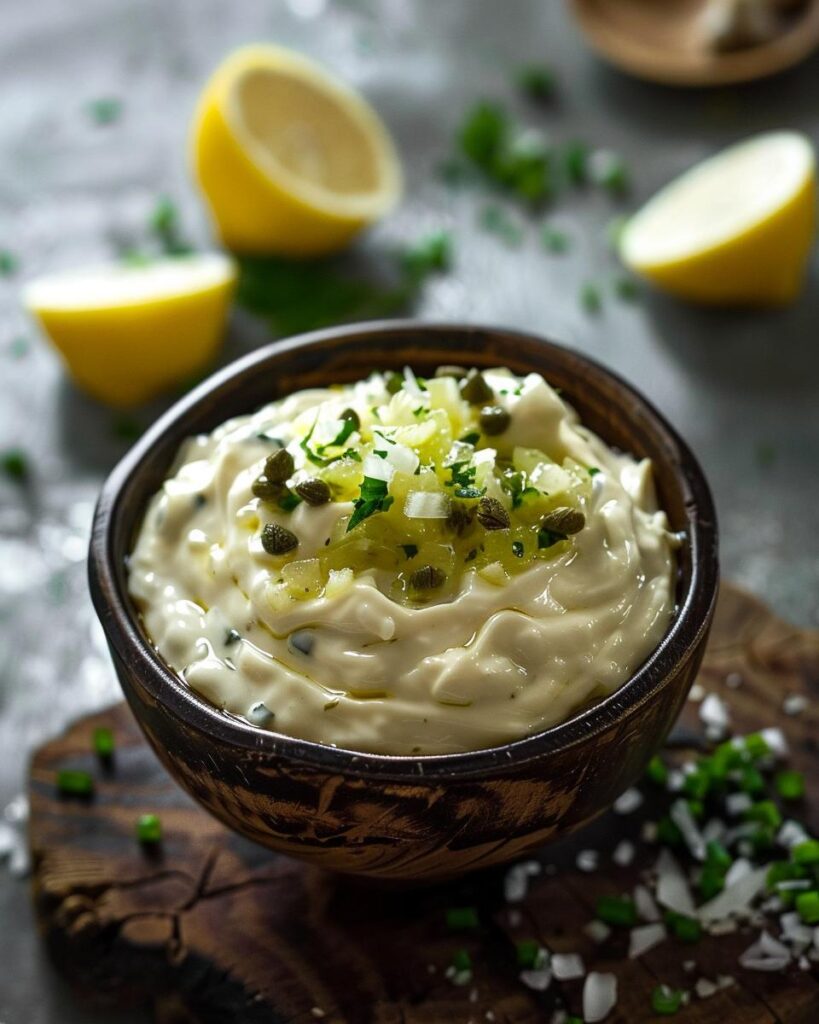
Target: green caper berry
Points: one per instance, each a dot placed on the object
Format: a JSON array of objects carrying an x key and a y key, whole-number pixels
[
  {"x": 458, "y": 372},
  {"x": 278, "y": 540},
  {"x": 460, "y": 517},
  {"x": 266, "y": 489},
  {"x": 427, "y": 578},
  {"x": 475, "y": 389},
  {"x": 494, "y": 419},
  {"x": 492, "y": 515},
  {"x": 351, "y": 416},
  {"x": 394, "y": 383},
  {"x": 564, "y": 520},
  {"x": 279, "y": 466},
  {"x": 314, "y": 492}
]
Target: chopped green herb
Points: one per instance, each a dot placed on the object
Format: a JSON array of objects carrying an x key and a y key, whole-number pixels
[
  {"x": 686, "y": 929},
  {"x": 756, "y": 745},
  {"x": 751, "y": 780},
  {"x": 783, "y": 871},
  {"x": 8, "y": 263},
  {"x": 461, "y": 960},
  {"x": 483, "y": 134},
  {"x": 608, "y": 170},
  {"x": 15, "y": 465},
  {"x": 470, "y": 438},
  {"x": 765, "y": 812},
  {"x": 614, "y": 231},
  {"x": 575, "y": 156},
  {"x": 668, "y": 833},
  {"x": 616, "y": 910},
  {"x": 528, "y": 953},
  {"x": 164, "y": 225},
  {"x": 105, "y": 110},
  {"x": 102, "y": 740},
  {"x": 712, "y": 881},
  {"x": 546, "y": 538},
  {"x": 697, "y": 784},
  {"x": 537, "y": 81},
  {"x": 373, "y": 497},
  {"x": 626, "y": 288},
  {"x": 462, "y": 918},
  {"x": 554, "y": 240},
  {"x": 806, "y": 853},
  {"x": 807, "y": 906},
  {"x": 656, "y": 770},
  {"x": 717, "y": 855},
  {"x": 432, "y": 254},
  {"x": 525, "y": 169},
  {"x": 497, "y": 221},
  {"x": 590, "y": 298},
  {"x": 666, "y": 1001},
  {"x": 149, "y": 829},
  {"x": 71, "y": 782}
]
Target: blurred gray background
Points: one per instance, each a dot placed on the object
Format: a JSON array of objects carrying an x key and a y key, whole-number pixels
[{"x": 742, "y": 387}]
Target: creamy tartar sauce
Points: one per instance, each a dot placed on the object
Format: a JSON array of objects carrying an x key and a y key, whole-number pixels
[{"x": 435, "y": 600}]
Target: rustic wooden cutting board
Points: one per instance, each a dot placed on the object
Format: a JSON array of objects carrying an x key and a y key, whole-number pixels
[{"x": 211, "y": 928}]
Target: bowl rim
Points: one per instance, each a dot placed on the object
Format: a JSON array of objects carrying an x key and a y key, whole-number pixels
[{"x": 106, "y": 567}]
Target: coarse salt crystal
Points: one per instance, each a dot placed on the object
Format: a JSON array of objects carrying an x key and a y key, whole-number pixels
[
  {"x": 696, "y": 693},
  {"x": 672, "y": 887},
  {"x": 599, "y": 996},
  {"x": 775, "y": 739},
  {"x": 705, "y": 988},
  {"x": 628, "y": 801},
  {"x": 567, "y": 966},
  {"x": 794, "y": 704},
  {"x": 645, "y": 937},
  {"x": 645, "y": 904},
  {"x": 739, "y": 869},
  {"x": 538, "y": 978},
  {"x": 675, "y": 781},
  {"x": 623, "y": 853},
  {"x": 516, "y": 882},
  {"x": 714, "y": 713},
  {"x": 684, "y": 820},
  {"x": 599, "y": 931},
  {"x": 587, "y": 860},
  {"x": 791, "y": 833}
]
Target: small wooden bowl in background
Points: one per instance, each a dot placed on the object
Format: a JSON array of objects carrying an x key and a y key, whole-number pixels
[
  {"x": 661, "y": 41},
  {"x": 407, "y": 817}
]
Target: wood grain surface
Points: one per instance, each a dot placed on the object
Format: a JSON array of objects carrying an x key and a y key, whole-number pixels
[{"x": 212, "y": 928}]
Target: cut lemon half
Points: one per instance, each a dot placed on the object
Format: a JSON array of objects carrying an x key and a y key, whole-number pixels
[
  {"x": 127, "y": 333},
  {"x": 290, "y": 159},
  {"x": 735, "y": 229}
]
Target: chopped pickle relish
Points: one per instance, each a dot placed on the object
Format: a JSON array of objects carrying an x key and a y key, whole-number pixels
[{"x": 406, "y": 565}]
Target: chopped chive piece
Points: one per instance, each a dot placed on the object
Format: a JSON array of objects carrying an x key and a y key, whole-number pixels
[
  {"x": 483, "y": 134},
  {"x": 806, "y": 853},
  {"x": 696, "y": 785},
  {"x": 288, "y": 501},
  {"x": 536, "y": 81},
  {"x": 472, "y": 438},
  {"x": 149, "y": 829},
  {"x": 574, "y": 162},
  {"x": 614, "y": 231},
  {"x": 686, "y": 929},
  {"x": 590, "y": 298},
  {"x": 554, "y": 240},
  {"x": 666, "y": 1001},
  {"x": 15, "y": 465},
  {"x": 494, "y": 218},
  {"x": 462, "y": 918},
  {"x": 656, "y": 771},
  {"x": 751, "y": 781},
  {"x": 431, "y": 254},
  {"x": 712, "y": 881},
  {"x": 71, "y": 782},
  {"x": 790, "y": 785},
  {"x": 616, "y": 910},
  {"x": 626, "y": 288},
  {"x": 667, "y": 832},
  {"x": 765, "y": 812},
  {"x": 783, "y": 871},
  {"x": 757, "y": 745},
  {"x": 461, "y": 960},
  {"x": 717, "y": 855},
  {"x": 103, "y": 742},
  {"x": 528, "y": 953},
  {"x": 8, "y": 263},
  {"x": 105, "y": 110},
  {"x": 807, "y": 906}
]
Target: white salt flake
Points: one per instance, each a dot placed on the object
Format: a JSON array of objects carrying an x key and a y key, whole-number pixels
[
  {"x": 714, "y": 714},
  {"x": 684, "y": 820},
  {"x": 771, "y": 946},
  {"x": 739, "y": 869},
  {"x": 567, "y": 966},
  {"x": 645, "y": 904},
  {"x": 737, "y": 803},
  {"x": 675, "y": 781},
  {"x": 644, "y": 938},
  {"x": 599, "y": 931},
  {"x": 705, "y": 988},
  {"x": 516, "y": 882},
  {"x": 628, "y": 801},
  {"x": 587, "y": 860},
  {"x": 775, "y": 739},
  {"x": 599, "y": 996},
  {"x": 538, "y": 978},
  {"x": 791, "y": 833},
  {"x": 713, "y": 830},
  {"x": 672, "y": 886},
  {"x": 794, "y": 704},
  {"x": 727, "y": 926},
  {"x": 696, "y": 693},
  {"x": 689, "y": 966},
  {"x": 734, "y": 899},
  {"x": 623, "y": 853},
  {"x": 766, "y": 954}
]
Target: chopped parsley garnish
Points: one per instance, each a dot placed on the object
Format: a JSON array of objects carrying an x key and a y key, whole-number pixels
[
  {"x": 164, "y": 226},
  {"x": 102, "y": 740},
  {"x": 593, "y": 470},
  {"x": 288, "y": 501},
  {"x": 71, "y": 782},
  {"x": 483, "y": 134},
  {"x": 575, "y": 155},
  {"x": 462, "y": 918},
  {"x": 546, "y": 538},
  {"x": 472, "y": 438},
  {"x": 373, "y": 498},
  {"x": 149, "y": 829},
  {"x": 15, "y": 465},
  {"x": 590, "y": 298},
  {"x": 8, "y": 263},
  {"x": 462, "y": 474},
  {"x": 497, "y": 221},
  {"x": 349, "y": 427},
  {"x": 554, "y": 240},
  {"x": 626, "y": 288},
  {"x": 537, "y": 81},
  {"x": 431, "y": 254},
  {"x": 105, "y": 110}
]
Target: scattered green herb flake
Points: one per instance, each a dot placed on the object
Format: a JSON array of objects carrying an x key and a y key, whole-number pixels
[
  {"x": 656, "y": 771},
  {"x": 757, "y": 746},
  {"x": 667, "y": 832},
  {"x": 483, "y": 134},
  {"x": 806, "y": 853},
  {"x": 537, "y": 81},
  {"x": 626, "y": 288},
  {"x": 590, "y": 298},
  {"x": 525, "y": 169},
  {"x": 712, "y": 882},
  {"x": 609, "y": 171},
  {"x": 751, "y": 780},
  {"x": 348, "y": 428},
  {"x": 717, "y": 855},
  {"x": 126, "y": 428},
  {"x": 373, "y": 497},
  {"x": 163, "y": 223},
  {"x": 149, "y": 829},
  {"x": 8, "y": 263},
  {"x": 472, "y": 438},
  {"x": 410, "y": 550},
  {"x": 14, "y": 464},
  {"x": 462, "y": 474},
  {"x": 18, "y": 347},
  {"x": 764, "y": 812},
  {"x": 616, "y": 910},
  {"x": 784, "y": 871},
  {"x": 575, "y": 155},
  {"x": 105, "y": 109},
  {"x": 528, "y": 953},
  {"x": 697, "y": 784},
  {"x": 102, "y": 740},
  {"x": 71, "y": 782},
  {"x": 614, "y": 231},
  {"x": 593, "y": 470},
  {"x": 666, "y": 1001},
  {"x": 686, "y": 929},
  {"x": 554, "y": 240},
  {"x": 546, "y": 538},
  {"x": 432, "y": 254},
  {"x": 461, "y": 960},
  {"x": 462, "y": 918},
  {"x": 497, "y": 221},
  {"x": 807, "y": 906}
]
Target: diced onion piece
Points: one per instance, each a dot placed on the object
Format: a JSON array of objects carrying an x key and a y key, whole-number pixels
[
  {"x": 403, "y": 459},
  {"x": 567, "y": 966},
  {"x": 426, "y": 505},
  {"x": 599, "y": 996},
  {"x": 672, "y": 886},
  {"x": 377, "y": 468}
]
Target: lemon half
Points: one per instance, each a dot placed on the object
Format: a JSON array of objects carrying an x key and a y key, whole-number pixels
[
  {"x": 127, "y": 333},
  {"x": 291, "y": 160},
  {"x": 735, "y": 229}
]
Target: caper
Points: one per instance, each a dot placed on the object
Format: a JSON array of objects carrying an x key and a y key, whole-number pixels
[
  {"x": 564, "y": 520},
  {"x": 475, "y": 389},
  {"x": 492, "y": 515},
  {"x": 266, "y": 489},
  {"x": 494, "y": 419},
  {"x": 394, "y": 382},
  {"x": 279, "y": 466},
  {"x": 351, "y": 416},
  {"x": 278, "y": 540},
  {"x": 427, "y": 578},
  {"x": 314, "y": 492},
  {"x": 458, "y": 372},
  {"x": 460, "y": 517}
]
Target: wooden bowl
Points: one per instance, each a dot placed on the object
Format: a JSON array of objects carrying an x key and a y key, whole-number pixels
[
  {"x": 406, "y": 817},
  {"x": 661, "y": 41}
]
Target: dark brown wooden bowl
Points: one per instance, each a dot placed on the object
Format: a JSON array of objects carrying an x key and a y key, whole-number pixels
[{"x": 406, "y": 817}]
